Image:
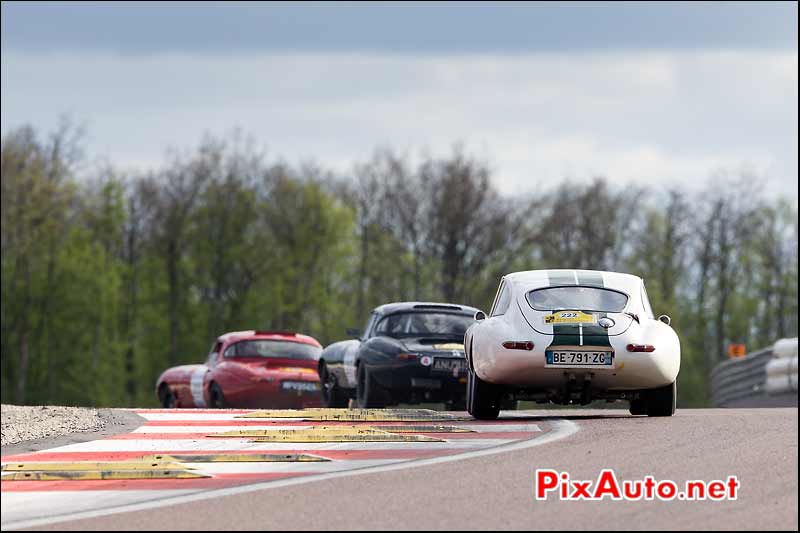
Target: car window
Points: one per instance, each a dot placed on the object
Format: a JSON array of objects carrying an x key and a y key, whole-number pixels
[
  {"x": 421, "y": 324},
  {"x": 213, "y": 353},
  {"x": 502, "y": 300},
  {"x": 370, "y": 321},
  {"x": 273, "y": 348},
  {"x": 230, "y": 351},
  {"x": 577, "y": 298}
]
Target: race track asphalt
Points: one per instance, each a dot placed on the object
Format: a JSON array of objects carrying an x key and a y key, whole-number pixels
[{"x": 496, "y": 491}]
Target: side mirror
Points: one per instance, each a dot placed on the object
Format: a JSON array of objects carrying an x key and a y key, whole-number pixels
[
  {"x": 480, "y": 315},
  {"x": 353, "y": 333},
  {"x": 665, "y": 319}
]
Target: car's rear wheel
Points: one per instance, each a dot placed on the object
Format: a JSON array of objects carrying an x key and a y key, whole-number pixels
[
  {"x": 332, "y": 395},
  {"x": 483, "y": 399},
  {"x": 166, "y": 397},
  {"x": 638, "y": 406},
  {"x": 368, "y": 392},
  {"x": 661, "y": 401},
  {"x": 215, "y": 397},
  {"x": 456, "y": 404},
  {"x": 508, "y": 404}
]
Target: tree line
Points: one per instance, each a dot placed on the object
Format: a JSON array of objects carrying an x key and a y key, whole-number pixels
[{"x": 110, "y": 276}]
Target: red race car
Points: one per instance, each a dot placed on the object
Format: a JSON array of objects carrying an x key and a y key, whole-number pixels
[{"x": 248, "y": 369}]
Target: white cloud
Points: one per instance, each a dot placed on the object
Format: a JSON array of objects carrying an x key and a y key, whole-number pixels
[{"x": 633, "y": 117}]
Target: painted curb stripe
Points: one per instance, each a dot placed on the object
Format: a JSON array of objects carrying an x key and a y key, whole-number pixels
[
  {"x": 45, "y": 506},
  {"x": 358, "y": 415},
  {"x": 72, "y": 476},
  {"x": 369, "y": 437},
  {"x": 326, "y": 434},
  {"x": 143, "y": 464},
  {"x": 190, "y": 411},
  {"x": 205, "y": 483},
  {"x": 188, "y": 442},
  {"x": 341, "y": 455},
  {"x": 207, "y": 445},
  {"x": 237, "y": 458},
  {"x": 238, "y": 422}
]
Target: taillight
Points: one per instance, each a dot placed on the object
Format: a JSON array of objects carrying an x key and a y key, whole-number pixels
[
  {"x": 641, "y": 348},
  {"x": 518, "y": 345},
  {"x": 407, "y": 356}
]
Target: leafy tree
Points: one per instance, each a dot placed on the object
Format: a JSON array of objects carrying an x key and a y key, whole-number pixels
[{"x": 109, "y": 278}]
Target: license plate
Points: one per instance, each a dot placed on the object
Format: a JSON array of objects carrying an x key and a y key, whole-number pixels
[
  {"x": 578, "y": 359},
  {"x": 423, "y": 383},
  {"x": 300, "y": 386},
  {"x": 449, "y": 365}
]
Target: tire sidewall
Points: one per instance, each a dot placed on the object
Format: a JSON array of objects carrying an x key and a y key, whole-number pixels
[
  {"x": 480, "y": 396},
  {"x": 166, "y": 397},
  {"x": 328, "y": 395},
  {"x": 362, "y": 387},
  {"x": 662, "y": 401},
  {"x": 368, "y": 393},
  {"x": 216, "y": 397}
]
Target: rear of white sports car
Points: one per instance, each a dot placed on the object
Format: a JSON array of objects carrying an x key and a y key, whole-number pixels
[{"x": 567, "y": 336}]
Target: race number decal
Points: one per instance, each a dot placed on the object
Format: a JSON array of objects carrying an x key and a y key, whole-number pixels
[
  {"x": 449, "y": 347},
  {"x": 570, "y": 317}
]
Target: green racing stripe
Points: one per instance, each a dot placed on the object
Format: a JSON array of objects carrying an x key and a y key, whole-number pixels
[{"x": 578, "y": 334}]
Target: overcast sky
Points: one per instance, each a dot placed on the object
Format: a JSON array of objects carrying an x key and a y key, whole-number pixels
[{"x": 650, "y": 93}]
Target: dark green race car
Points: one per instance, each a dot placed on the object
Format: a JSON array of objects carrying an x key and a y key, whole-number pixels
[{"x": 410, "y": 352}]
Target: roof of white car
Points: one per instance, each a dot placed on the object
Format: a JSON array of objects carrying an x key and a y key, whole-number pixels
[{"x": 532, "y": 279}]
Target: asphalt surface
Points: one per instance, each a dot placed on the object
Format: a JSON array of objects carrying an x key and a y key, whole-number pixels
[{"x": 496, "y": 492}]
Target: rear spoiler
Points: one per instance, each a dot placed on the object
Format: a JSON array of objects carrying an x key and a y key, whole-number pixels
[{"x": 265, "y": 332}]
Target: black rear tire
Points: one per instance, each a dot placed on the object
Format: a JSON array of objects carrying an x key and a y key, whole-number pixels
[
  {"x": 456, "y": 404},
  {"x": 638, "y": 406},
  {"x": 166, "y": 397},
  {"x": 483, "y": 399},
  {"x": 332, "y": 395},
  {"x": 508, "y": 405},
  {"x": 661, "y": 401},
  {"x": 369, "y": 394},
  {"x": 216, "y": 398}
]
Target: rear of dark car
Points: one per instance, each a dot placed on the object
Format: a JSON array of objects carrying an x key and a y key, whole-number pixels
[{"x": 417, "y": 354}]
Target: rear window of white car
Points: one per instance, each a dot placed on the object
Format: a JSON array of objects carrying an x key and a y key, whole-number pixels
[{"x": 577, "y": 298}]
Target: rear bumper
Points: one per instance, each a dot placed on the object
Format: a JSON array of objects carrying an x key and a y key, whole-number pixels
[
  {"x": 272, "y": 395},
  {"x": 413, "y": 378},
  {"x": 630, "y": 371},
  {"x": 294, "y": 401}
]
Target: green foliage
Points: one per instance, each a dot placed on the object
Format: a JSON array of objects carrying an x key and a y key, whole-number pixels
[{"x": 109, "y": 279}]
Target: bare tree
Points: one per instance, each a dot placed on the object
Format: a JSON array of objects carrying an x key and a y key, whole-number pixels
[
  {"x": 585, "y": 225},
  {"x": 468, "y": 220},
  {"x": 174, "y": 193}
]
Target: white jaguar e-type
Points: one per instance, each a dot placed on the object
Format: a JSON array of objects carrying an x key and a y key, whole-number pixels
[{"x": 569, "y": 336}]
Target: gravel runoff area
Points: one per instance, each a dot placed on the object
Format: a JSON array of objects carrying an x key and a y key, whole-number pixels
[{"x": 28, "y": 422}]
